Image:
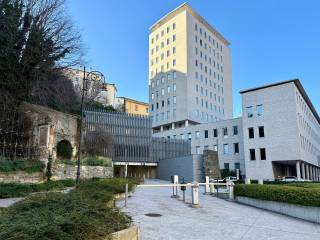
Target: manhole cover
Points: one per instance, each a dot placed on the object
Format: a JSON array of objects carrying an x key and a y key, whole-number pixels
[{"x": 153, "y": 215}]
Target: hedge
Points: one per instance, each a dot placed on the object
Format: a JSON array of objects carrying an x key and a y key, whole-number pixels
[{"x": 308, "y": 195}]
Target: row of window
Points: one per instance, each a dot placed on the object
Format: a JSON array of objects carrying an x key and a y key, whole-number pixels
[
  {"x": 226, "y": 149},
  {"x": 250, "y": 111},
  {"x": 205, "y": 116},
  {"x": 205, "y": 35},
  {"x": 204, "y": 91},
  {"x": 162, "y": 56},
  {"x": 205, "y": 56},
  {"x": 207, "y": 105},
  {"x": 162, "y": 103},
  {"x": 167, "y": 77},
  {"x": 174, "y": 86},
  {"x": 163, "y": 32},
  {"x": 263, "y": 155},
  {"x": 205, "y": 79},
  {"x": 260, "y": 132},
  {"x": 156, "y": 71},
  {"x": 163, "y": 116}
]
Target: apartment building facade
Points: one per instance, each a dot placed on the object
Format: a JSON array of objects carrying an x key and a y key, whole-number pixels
[
  {"x": 281, "y": 130},
  {"x": 189, "y": 71}
]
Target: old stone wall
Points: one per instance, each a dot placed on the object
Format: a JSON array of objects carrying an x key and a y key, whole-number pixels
[
  {"x": 63, "y": 171},
  {"x": 21, "y": 177},
  {"x": 211, "y": 164}
]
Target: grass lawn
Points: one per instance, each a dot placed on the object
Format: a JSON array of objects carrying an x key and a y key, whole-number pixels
[
  {"x": 81, "y": 214},
  {"x": 306, "y": 194}
]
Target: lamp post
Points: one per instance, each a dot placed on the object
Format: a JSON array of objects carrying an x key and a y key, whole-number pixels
[{"x": 88, "y": 78}]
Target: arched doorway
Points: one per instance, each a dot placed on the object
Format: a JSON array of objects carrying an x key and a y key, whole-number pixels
[{"x": 64, "y": 150}]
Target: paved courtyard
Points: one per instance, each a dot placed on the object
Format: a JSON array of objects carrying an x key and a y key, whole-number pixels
[{"x": 216, "y": 219}]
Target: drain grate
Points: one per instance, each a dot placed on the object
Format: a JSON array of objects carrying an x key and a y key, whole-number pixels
[{"x": 153, "y": 215}]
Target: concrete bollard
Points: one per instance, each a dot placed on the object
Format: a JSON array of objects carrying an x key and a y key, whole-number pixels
[
  {"x": 231, "y": 191},
  {"x": 175, "y": 187},
  {"x": 248, "y": 181},
  {"x": 195, "y": 195},
  {"x": 260, "y": 181},
  {"x": 207, "y": 186}
]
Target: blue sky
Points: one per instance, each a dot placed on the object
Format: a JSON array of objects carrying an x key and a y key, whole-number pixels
[{"x": 271, "y": 40}]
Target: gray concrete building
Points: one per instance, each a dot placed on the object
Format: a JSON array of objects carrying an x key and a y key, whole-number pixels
[
  {"x": 281, "y": 132},
  {"x": 225, "y": 137}
]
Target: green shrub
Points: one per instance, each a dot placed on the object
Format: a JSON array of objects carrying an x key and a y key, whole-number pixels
[
  {"x": 80, "y": 214},
  {"x": 97, "y": 161},
  {"x": 9, "y": 190},
  {"x": 290, "y": 193},
  {"x": 28, "y": 166}
]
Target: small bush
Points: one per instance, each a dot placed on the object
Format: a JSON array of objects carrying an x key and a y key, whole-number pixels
[
  {"x": 290, "y": 193},
  {"x": 88, "y": 161},
  {"x": 28, "y": 166}
]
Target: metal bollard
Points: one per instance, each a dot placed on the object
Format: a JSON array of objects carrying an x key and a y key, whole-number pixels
[
  {"x": 126, "y": 195},
  {"x": 207, "y": 186},
  {"x": 231, "y": 191},
  {"x": 175, "y": 180},
  {"x": 212, "y": 189},
  {"x": 195, "y": 195}
]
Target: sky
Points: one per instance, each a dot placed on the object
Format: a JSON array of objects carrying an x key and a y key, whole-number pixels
[{"x": 271, "y": 40}]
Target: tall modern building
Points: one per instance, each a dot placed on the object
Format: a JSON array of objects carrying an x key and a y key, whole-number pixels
[{"x": 189, "y": 71}]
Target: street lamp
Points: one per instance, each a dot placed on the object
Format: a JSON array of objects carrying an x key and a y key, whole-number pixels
[{"x": 91, "y": 83}]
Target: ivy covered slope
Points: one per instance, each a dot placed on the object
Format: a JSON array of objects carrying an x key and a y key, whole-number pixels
[
  {"x": 306, "y": 194},
  {"x": 84, "y": 213}
]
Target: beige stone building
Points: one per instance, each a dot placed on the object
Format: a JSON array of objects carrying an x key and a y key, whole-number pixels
[
  {"x": 189, "y": 71},
  {"x": 132, "y": 106}
]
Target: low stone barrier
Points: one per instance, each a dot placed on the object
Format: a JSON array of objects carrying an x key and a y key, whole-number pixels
[
  {"x": 64, "y": 171},
  {"x": 21, "y": 177},
  {"x": 131, "y": 233},
  {"x": 311, "y": 214}
]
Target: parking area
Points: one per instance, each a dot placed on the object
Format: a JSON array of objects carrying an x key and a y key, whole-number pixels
[{"x": 216, "y": 219}]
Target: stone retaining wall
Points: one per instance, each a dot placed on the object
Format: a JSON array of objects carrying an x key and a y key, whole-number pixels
[
  {"x": 63, "y": 171},
  {"x": 311, "y": 214},
  {"x": 21, "y": 177}
]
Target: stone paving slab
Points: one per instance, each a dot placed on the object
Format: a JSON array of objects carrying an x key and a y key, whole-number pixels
[{"x": 216, "y": 219}]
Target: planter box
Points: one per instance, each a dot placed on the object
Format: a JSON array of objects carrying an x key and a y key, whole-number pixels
[
  {"x": 311, "y": 214},
  {"x": 131, "y": 233}
]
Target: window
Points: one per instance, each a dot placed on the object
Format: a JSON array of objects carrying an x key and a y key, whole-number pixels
[
  {"x": 168, "y": 89},
  {"x": 235, "y": 130},
  {"x": 252, "y": 154},
  {"x": 174, "y": 26},
  {"x": 225, "y": 149},
  {"x": 236, "y": 147},
  {"x": 263, "y": 154},
  {"x": 206, "y": 134},
  {"x": 174, "y": 99},
  {"x": 237, "y": 165},
  {"x": 261, "y": 132},
  {"x": 225, "y": 132},
  {"x": 250, "y": 112},
  {"x": 162, "y": 91},
  {"x": 173, "y": 38},
  {"x": 173, "y": 62},
  {"x": 197, "y": 134},
  {"x": 136, "y": 107},
  {"x": 174, "y": 50},
  {"x": 226, "y": 166},
  {"x": 152, "y": 95},
  {"x": 162, "y": 103},
  {"x": 259, "y": 110},
  {"x": 174, "y": 87},
  {"x": 251, "y": 132},
  {"x": 205, "y": 147},
  {"x": 174, "y": 75},
  {"x": 197, "y": 149},
  {"x": 215, "y": 148},
  {"x": 189, "y": 136},
  {"x": 215, "y": 133}
]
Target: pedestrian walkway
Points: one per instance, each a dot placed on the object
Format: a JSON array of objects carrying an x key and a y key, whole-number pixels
[{"x": 216, "y": 219}]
